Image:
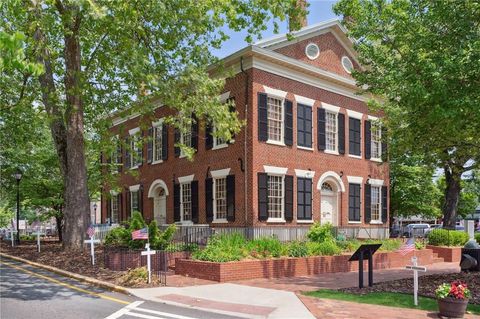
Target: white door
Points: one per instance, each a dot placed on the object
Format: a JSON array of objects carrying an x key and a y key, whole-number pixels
[
  {"x": 328, "y": 210},
  {"x": 160, "y": 209}
]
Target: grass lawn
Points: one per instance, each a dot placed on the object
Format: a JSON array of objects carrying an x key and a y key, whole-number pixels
[{"x": 390, "y": 299}]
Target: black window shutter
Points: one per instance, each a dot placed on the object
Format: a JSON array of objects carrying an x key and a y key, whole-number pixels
[
  {"x": 262, "y": 117},
  {"x": 232, "y": 109},
  {"x": 321, "y": 138},
  {"x": 301, "y": 124},
  {"x": 231, "y": 198},
  {"x": 354, "y": 136},
  {"x": 194, "y": 186},
  {"x": 140, "y": 199},
  {"x": 288, "y": 124},
  {"x": 176, "y": 202},
  {"x": 195, "y": 134},
  {"x": 368, "y": 136},
  {"x": 288, "y": 197},
  {"x": 262, "y": 196},
  {"x": 119, "y": 156},
  {"x": 384, "y": 204},
  {"x": 139, "y": 146},
  {"x": 127, "y": 152},
  {"x": 308, "y": 126},
  {"x": 177, "y": 141},
  {"x": 368, "y": 205},
  {"x": 308, "y": 198},
  {"x": 151, "y": 137},
  {"x": 209, "y": 199},
  {"x": 384, "y": 143},
  {"x": 300, "y": 198},
  {"x": 164, "y": 141},
  {"x": 208, "y": 136},
  {"x": 341, "y": 133}
]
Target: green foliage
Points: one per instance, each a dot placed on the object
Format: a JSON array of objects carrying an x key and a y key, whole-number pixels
[
  {"x": 419, "y": 245},
  {"x": 118, "y": 237},
  {"x": 134, "y": 277},
  {"x": 265, "y": 247},
  {"x": 325, "y": 248},
  {"x": 297, "y": 249},
  {"x": 469, "y": 196},
  {"x": 445, "y": 237},
  {"x": 181, "y": 247},
  {"x": 477, "y": 237},
  {"x": 28, "y": 237},
  {"x": 223, "y": 248},
  {"x": 12, "y": 54},
  {"x": 320, "y": 233},
  {"x": 456, "y": 290}
]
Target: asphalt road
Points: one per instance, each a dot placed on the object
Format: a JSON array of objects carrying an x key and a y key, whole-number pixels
[{"x": 28, "y": 292}]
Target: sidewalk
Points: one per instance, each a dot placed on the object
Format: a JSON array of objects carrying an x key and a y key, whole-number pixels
[{"x": 281, "y": 298}]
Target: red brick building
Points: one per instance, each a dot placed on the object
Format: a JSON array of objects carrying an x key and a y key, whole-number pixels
[{"x": 310, "y": 149}]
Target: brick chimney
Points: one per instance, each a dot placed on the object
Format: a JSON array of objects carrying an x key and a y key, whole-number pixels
[{"x": 298, "y": 21}]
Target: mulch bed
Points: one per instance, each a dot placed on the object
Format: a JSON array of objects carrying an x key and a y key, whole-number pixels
[
  {"x": 427, "y": 285},
  {"x": 52, "y": 254}
]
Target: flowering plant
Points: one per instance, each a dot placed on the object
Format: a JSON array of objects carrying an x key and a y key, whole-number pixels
[{"x": 456, "y": 290}]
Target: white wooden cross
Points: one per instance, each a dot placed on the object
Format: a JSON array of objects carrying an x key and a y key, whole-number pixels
[
  {"x": 92, "y": 241},
  {"x": 38, "y": 232},
  {"x": 415, "y": 269},
  {"x": 12, "y": 231},
  {"x": 148, "y": 253}
]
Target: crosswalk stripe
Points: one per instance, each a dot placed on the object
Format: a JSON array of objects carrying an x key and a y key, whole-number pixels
[
  {"x": 139, "y": 315},
  {"x": 124, "y": 310},
  {"x": 171, "y": 315}
]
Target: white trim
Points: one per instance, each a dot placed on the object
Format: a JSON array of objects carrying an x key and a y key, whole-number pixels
[
  {"x": 354, "y": 222},
  {"x": 372, "y": 118},
  {"x": 331, "y": 108},
  {"x": 378, "y": 160},
  {"x": 332, "y": 176},
  {"x": 156, "y": 162},
  {"x": 114, "y": 193},
  {"x": 304, "y": 173},
  {"x": 306, "y": 51},
  {"x": 134, "y": 131},
  {"x": 375, "y": 182},
  {"x": 134, "y": 188},
  {"x": 224, "y": 96},
  {"x": 305, "y": 221},
  {"x": 346, "y": 58},
  {"x": 355, "y": 179},
  {"x": 276, "y": 220},
  {"x": 355, "y": 156},
  {"x": 376, "y": 222},
  {"x": 186, "y": 179},
  {"x": 155, "y": 184},
  {"x": 331, "y": 152},
  {"x": 220, "y": 173},
  {"x": 158, "y": 123},
  {"x": 304, "y": 100},
  {"x": 305, "y": 148},
  {"x": 355, "y": 115},
  {"x": 274, "y": 92},
  {"x": 220, "y": 146},
  {"x": 220, "y": 221},
  {"x": 275, "y": 170},
  {"x": 275, "y": 142}
]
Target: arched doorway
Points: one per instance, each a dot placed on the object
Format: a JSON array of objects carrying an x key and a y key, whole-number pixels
[
  {"x": 159, "y": 192},
  {"x": 330, "y": 186}
]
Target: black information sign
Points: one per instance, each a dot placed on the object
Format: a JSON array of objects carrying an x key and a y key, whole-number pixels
[{"x": 365, "y": 252}]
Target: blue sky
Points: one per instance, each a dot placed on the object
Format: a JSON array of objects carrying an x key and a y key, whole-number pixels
[{"x": 319, "y": 10}]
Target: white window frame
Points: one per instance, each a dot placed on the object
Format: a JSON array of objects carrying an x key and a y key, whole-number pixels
[
  {"x": 282, "y": 218},
  {"x": 378, "y": 130},
  {"x": 216, "y": 144},
  {"x": 114, "y": 195},
  {"x": 282, "y": 123},
  {"x": 182, "y": 139},
  {"x": 335, "y": 150},
  {"x": 157, "y": 126},
  {"x": 134, "y": 140},
  {"x": 218, "y": 174},
  {"x": 182, "y": 220},
  {"x": 379, "y": 203}
]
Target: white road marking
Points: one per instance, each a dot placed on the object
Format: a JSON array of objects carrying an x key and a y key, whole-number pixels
[
  {"x": 124, "y": 310},
  {"x": 171, "y": 315},
  {"x": 128, "y": 311}
]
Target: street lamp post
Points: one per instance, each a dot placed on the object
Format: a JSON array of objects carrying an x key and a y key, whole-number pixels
[
  {"x": 94, "y": 213},
  {"x": 18, "y": 177}
]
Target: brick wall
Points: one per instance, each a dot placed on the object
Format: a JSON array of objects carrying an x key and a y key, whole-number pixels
[
  {"x": 449, "y": 254},
  {"x": 130, "y": 259},
  {"x": 291, "y": 267}
]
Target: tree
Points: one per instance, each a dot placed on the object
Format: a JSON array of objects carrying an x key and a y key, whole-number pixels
[
  {"x": 469, "y": 196},
  {"x": 100, "y": 56},
  {"x": 422, "y": 58}
]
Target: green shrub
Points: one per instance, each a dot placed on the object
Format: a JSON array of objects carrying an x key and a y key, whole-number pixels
[
  {"x": 181, "y": 247},
  {"x": 320, "y": 233},
  {"x": 117, "y": 237},
  {"x": 445, "y": 237},
  {"x": 349, "y": 245},
  {"x": 265, "y": 247},
  {"x": 160, "y": 240},
  {"x": 477, "y": 237},
  {"x": 297, "y": 249},
  {"x": 28, "y": 237},
  {"x": 326, "y": 248},
  {"x": 223, "y": 248},
  {"x": 419, "y": 245},
  {"x": 134, "y": 277}
]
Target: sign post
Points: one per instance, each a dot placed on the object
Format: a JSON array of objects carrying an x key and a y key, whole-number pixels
[
  {"x": 365, "y": 252},
  {"x": 415, "y": 269},
  {"x": 12, "y": 231},
  {"x": 38, "y": 237},
  {"x": 92, "y": 241},
  {"x": 148, "y": 253}
]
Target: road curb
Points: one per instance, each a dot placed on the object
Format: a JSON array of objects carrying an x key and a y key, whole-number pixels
[{"x": 90, "y": 280}]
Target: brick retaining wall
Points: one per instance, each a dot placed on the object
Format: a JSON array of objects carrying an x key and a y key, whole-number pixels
[
  {"x": 290, "y": 267},
  {"x": 449, "y": 254},
  {"x": 119, "y": 260}
]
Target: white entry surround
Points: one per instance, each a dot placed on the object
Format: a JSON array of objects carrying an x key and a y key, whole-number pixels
[
  {"x": 330, "y": 199},
  {"x": 159, "y": 192}
]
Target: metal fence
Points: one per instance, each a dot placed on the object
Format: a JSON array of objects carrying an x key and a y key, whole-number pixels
[
  {"x": 191, "y": 234},
  {"x": 101, "y": 230}
]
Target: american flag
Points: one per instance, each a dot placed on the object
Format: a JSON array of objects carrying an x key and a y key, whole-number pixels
[
  {"x": 407, "y": 247},
  {"x": 90, "y": 231},
  {"x": 140, "y": 234}
]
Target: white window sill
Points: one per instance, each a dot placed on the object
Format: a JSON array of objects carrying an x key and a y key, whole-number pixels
[
  {"x": 134, "y": 167},
  {"x": 378, "y": 160},
  {"x": 331, "y": 152},
  {"x": 305, "y": 148},
  {"x": 275, "y": 143},
  {"x": 182, "y": 156},
  {"x": 376, "y": 222},
  {"x": 156, "y": 162},
  {"x": 355, "y": 156},
  {"x": 276, "y": 220},
  {"x": 304, "y": 221},
  {"x": 218, "y": 147},
  {"x": 354, "y": 222},
  {"x": 219, "y": 221},
  {"x": 185, "y": 222}
]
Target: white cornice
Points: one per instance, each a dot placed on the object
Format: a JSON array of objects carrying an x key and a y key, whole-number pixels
[
  {"x": 186, "y": 179},
  {"x": 304, "y": 173},
  {"x": 275, "y": 92},
  {"x": 331, "y": 108},
  {"x": 355, "y": 115},
  {"x": 275, "y": 170},
  {"x": 355, "y": 179},
  {"x": 304, "y": 100},
  {"x": 220, "y": 173}
]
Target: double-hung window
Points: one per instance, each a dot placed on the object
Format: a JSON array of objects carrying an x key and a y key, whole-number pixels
[
  {"x": 134, "y": 201},
  {"x": 331, "y": 131},
  {"x": 186, "y": 201},
  {"x": 115, "y": 208},
  {"x": 220, "y": 198},
  {"x": 376, "y": 141},
  {"x": 218, "y": 142},
  {"x": 304, "y": 198},
  {"x": 275, "y": 119},
  {"x": 135, "y": 148},
  {"x": 304, "y": 125},
  {"x": 186, "y": 138},
  {"x": 157, "y": 142},
  {"x": 354, "y": 136},
  {"x": 376, "y": 204},
  {"x": 275, "y": 197},
  {"x": 354, "y": 196}
]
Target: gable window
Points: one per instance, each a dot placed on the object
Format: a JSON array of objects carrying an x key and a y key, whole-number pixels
[
  {"x": 275, "y": 197},
  {"x": 304, "y": 198},
  {"x": 376, "y": 141},
  {"x": 354, "y": 196},
  {"x": 275, "y": 119},
  {"x": 304, "y": 125},
  {"x": 354, "y": 136},
  {"x": 186, "y": 201},
  {"x": 220, "y": 198},
  {"x": 331, "y": 131},
  {"x": 376, "y": 204},
  {"x": 157, "y": 143}
]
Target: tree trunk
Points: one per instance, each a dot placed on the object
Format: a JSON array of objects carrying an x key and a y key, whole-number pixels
[
  {"x": 59, "y": 221},
  {"x": 452, "y": 195}
]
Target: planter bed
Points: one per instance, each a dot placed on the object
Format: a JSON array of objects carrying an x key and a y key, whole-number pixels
[
  {"x": 449, "y": 254},
  {"x": 290, "y": 267},
  {"x": 124, "y": 259}
]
